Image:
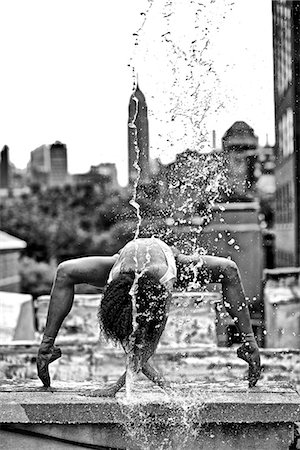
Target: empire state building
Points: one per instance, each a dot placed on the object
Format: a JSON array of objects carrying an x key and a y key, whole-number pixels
[{"x": 138, "y": 137}]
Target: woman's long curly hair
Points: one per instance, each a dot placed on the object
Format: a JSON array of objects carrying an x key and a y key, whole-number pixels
[{"x": 115, "y": 311}]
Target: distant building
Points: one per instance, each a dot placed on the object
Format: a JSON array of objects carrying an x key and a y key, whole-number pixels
[
  {"x": 109, "y": 173},
  {"x": 240, "y": 149},
  {"x": 138, "y": 136},
  {"x": 48, "y": 165},
  {"x": 264, "y": 172},
  {"x": 286, "y": 51},
  {"x": 13, "y": 181},
  {"x": 182, "y": 185},
  {"x": 19, "y": 180},
  {"x": 59, "y": 164},
  {"x": 40, "y": 165},
  {"x": 266, "y": 157},
  {"x": 10, "y": 249},
  {"x": 104, "y": 175},
  {"x": 4, "y": 168}
]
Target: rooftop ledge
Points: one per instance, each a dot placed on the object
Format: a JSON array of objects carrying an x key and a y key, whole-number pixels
[{"x": 24, "y": 402}]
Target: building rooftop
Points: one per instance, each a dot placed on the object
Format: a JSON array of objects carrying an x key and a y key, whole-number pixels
[
  {"x": 240, "y": 134},
  {"x": 9, "y": 242}
]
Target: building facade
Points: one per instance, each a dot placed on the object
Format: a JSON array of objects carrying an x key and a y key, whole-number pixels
[
  {"x": 49, "y": 165},
  {"x": 138, "y": 137},
  {"x": 4, "y": 168},
  {"x": 103, "y": 177},
  {"x": 40, "y": 165},
  {"x": 59, "y": 164},
  {"x": 108, "y": 171},
  {"x": 286, "y": 51}
]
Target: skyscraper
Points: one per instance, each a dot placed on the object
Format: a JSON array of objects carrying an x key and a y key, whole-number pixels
[
  {"x": 286, "y": 50},
  {"x": 4, "y": 168},
  {"x": 48, "y": 164},
  {"x": 59, "y": 164},
  {"x": 138, "y": 136}
]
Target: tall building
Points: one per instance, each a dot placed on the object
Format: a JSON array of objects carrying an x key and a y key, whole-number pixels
[
  {"x": 4, "y": 168},
  {"x": 59, "y": 164},
  {"x": 48, "y": 164},
  {"x": 286, "y": 51},
  {"x": 40, "y": 165},
  {"x": 138, "y": 136}
]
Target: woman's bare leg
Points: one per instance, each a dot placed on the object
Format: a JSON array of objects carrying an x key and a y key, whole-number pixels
[
  {"x": 92, "y": 270},
  {"x": 110, "y": 391}
]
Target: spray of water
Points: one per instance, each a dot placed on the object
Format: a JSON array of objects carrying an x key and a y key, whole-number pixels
[
  {"x": 130, "y": 363},
  {"x": 170, "y": 427},
  {"x": 133, "y": 202},
  {"x": 186, "y": 104}
]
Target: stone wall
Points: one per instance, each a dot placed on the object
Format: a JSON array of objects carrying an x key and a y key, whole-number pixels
[
  {"x": 187, "y": 349},
  {"x": 88, "y": 360},
  {"x": 191, "y": 320}
]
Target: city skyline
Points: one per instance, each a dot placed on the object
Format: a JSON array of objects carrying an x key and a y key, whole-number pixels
[{"x": 67, "y": 77}]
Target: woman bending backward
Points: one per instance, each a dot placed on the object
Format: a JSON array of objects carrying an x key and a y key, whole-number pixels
[{"x": 138, "y": 283}]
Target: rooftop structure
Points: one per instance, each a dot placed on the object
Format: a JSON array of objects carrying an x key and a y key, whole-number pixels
[
  {"x": 240, "y": 147},
  {"x": 240, "y": 136},
  {"x": 10, "y": 248}
]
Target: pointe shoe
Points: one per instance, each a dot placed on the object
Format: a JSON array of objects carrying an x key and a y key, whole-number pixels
[
  {"x": 250, "y": 354},
  {"x": 43, "y": 360}
]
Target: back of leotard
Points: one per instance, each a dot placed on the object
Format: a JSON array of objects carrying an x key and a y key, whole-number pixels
[{"x": 171, "y": 272}]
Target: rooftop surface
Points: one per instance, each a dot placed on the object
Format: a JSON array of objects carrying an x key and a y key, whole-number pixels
[{"x": 9, "y": 242}]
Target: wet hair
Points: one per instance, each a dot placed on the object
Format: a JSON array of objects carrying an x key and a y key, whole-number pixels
[{"x": 115, "y": 311}]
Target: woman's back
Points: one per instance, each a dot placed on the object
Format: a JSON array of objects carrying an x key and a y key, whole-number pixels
[{"x": 142, "y": 255}]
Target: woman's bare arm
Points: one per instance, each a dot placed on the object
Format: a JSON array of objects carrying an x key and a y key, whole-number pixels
[{"x": 212, "y": 269}]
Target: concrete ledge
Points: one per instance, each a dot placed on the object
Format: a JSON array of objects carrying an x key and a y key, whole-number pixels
[
  {"x": 196, "y": 416},
  {"x": 26, "y": 402}
]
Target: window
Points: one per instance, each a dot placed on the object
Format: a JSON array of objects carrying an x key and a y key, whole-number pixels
[{"x": 286, "y": 133}]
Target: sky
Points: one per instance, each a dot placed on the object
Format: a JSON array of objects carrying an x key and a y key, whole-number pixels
[{"x": 69, "y": 66}]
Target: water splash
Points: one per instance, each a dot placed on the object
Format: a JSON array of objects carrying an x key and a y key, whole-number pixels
[
  {"x": 186, "y": 103},
  {"x": 171, "y": 428},
  {"x": 131, "y": 363},
  {"x": 133, "y": 202},
  {"x": 132, "y": 360}
]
